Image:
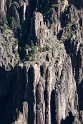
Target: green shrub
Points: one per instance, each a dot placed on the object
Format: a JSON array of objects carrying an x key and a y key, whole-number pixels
[
  {"x": 31, "y": 44},
  {"x": 45, "y": 48},
  {"x": 53, "y": 49},
  {"x": 3, "y": 23},
  {"x": 68, "y": 34},
  {"x": 3, "y": 29},
  {"x": 4, "y": 20},
  {"x": 30, "y": 58},
  {"x": 26, "y": 46},
  {"x": 31, "y": 54}
]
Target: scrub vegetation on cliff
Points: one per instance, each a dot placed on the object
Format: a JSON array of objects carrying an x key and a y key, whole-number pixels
[{"x": 41, "y": 61}]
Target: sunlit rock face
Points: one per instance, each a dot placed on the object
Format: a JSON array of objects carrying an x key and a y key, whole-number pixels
[
  {"x": 2, "y": 8},
  {"x": 2, "y": 5},
  {"x": 44, "y": 86}
]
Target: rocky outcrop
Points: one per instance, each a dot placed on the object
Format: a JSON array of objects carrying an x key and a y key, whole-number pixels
[
  {"x": 8, "y": 49},
  {"x": 2, "y": 5},
  {"x": 53, "y": 91},
  {"x": 39, "y": 29},
  {"x": 46, "y": 86},
  {"x": 2, "y": 8}
]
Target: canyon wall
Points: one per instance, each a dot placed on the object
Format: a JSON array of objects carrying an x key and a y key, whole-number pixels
[{"x": 41, "y": 62}]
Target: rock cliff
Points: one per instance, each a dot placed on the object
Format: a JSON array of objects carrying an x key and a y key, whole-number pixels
[{"x": 41, "y": 62}]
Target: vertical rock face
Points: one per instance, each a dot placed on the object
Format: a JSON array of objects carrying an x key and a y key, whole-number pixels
[
  {"x": 50, "y": 93},
  {"x": 48, "y": 88},
  {"x": 2, "y": 8},
  {"x": 25, "y": 4},
  {"x": 40, "y": 29},
  {"x": 2, "y": 5}
]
